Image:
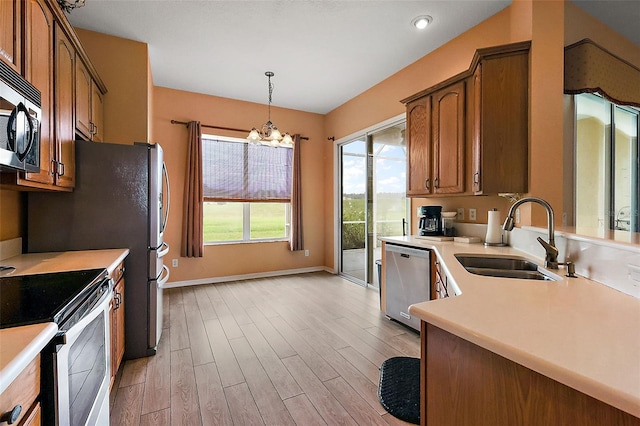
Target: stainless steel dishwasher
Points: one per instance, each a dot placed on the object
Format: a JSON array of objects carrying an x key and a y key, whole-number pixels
[{"x": 407, "y": 281}]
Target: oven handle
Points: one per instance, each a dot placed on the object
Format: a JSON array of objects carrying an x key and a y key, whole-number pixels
[{"x": 70, "y": 335}]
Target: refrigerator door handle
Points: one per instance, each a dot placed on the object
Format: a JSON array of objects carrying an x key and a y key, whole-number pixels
[
  {"x": 165, "y": 173},
  {"x": 163, "y": 280},
  {"x": 163, "y": 250}
]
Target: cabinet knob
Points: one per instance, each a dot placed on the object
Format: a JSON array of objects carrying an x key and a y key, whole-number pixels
[
  {"x": 11, "y": 416},
  {"x": 435, "y": 183},
  {"x": 427, "y": 184},
  {"x": 476, "y": 177}
]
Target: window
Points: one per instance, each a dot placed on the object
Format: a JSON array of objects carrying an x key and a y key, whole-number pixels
[
  {"x": 607, "y": 181},
  {"x": 247, "y": 190}
]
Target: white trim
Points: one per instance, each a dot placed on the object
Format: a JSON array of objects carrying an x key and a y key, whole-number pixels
[
  {"x": 215, "y": 280},
  {"x": 336, "y": 177}
]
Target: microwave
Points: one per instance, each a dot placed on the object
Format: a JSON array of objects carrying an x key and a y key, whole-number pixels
[{"x": 20, "y": 117}]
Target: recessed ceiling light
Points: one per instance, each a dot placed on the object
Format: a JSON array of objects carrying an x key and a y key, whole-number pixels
[{"x": 421, "y": 22}]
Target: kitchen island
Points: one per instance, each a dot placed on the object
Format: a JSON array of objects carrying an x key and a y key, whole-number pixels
[{"x": 577, "y": 332}]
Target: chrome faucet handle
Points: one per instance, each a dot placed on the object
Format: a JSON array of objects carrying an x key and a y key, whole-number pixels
[
  {"x": 571, "y": 268},
  {"x": 551, "y": 256}
]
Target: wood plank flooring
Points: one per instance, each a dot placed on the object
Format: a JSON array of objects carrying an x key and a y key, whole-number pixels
[{"x": 294, "y": 350}]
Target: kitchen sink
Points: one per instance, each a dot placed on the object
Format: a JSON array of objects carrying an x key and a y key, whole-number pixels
[{"x": 504, "y": 267}]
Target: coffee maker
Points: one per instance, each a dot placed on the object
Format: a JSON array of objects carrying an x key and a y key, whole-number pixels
[{"x": 430, "y": 223}]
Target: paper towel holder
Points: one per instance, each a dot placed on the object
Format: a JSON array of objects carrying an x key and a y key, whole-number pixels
[{"x": 496, "y": 227}]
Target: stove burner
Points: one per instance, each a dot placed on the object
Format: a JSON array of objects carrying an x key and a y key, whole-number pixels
[{"x": 58, "y": 297}]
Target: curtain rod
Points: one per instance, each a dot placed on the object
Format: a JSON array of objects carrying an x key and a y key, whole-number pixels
[{"x": 222, "y": 128}]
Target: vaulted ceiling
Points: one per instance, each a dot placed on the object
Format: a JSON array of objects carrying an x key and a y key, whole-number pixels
[{"x": 323, "y": 53}]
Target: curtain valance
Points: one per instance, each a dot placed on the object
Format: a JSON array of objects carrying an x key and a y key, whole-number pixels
[{"x": 589, "y": 68}]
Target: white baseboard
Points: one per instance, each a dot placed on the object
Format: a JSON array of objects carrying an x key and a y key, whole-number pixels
[{"x": 214, "y": 280}]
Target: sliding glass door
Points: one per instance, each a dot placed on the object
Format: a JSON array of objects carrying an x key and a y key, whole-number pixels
[{"x": 373, "y": 202}]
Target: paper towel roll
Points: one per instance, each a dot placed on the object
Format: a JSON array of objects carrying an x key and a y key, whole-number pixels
[{"x": 494, "y": 229}]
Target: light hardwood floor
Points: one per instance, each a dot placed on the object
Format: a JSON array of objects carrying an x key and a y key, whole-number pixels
[{"x": 302, "y": 349}]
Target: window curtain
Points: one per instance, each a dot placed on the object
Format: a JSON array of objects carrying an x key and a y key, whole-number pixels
[
  {"x": 296, "y": 241},
  {"x": 192, "y": 232},
  {"x": 589, "y": 68}
]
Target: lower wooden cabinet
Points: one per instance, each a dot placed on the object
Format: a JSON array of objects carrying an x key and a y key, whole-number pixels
[
  {"x": 464, "y": 384},
  {"x": 117, "y": 321},
  {"x": 23, "y": 392}
]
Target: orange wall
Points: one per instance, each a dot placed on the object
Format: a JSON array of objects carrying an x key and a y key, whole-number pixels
[
  {"x": 246, "y": 258},
  {"x": 541, "y": 21},
  {"x": 382, "y": 101}
]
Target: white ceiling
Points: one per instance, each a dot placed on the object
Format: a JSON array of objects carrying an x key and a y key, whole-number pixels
[{"x": 323, "y": 53}]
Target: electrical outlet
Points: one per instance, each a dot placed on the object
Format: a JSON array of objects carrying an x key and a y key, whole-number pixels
[
  {"x": 174, "y": 263},
  {"x": 517, "y": 215},
  {"x": 460, "y": 216},
  {"x": 306, "y": 252},
  {"x": 472, "y": 214}
]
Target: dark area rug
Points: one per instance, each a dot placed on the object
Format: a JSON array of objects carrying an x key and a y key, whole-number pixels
[{"x": 399, "y": 388}]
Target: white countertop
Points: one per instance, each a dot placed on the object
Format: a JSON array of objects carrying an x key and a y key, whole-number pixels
[
  {"x": 42, "y": 263},
  {"x": 576, "y": 331},
  {"x": 19, "y": 345}
]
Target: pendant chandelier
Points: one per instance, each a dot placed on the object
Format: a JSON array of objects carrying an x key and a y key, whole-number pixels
[
  {"x": 268, "y": 134},
  {"x": 69, "y": 5}
]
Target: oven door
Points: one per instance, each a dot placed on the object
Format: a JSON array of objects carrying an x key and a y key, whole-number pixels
[{"x": 82, "y": 366}]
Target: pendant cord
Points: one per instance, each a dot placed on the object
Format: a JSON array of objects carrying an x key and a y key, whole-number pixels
[{"x": 269, "y": 74}]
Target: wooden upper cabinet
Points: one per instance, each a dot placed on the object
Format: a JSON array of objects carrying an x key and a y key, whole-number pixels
[
  {"x": 10, "y": 33},
  {"x": 436, "y": 141},
  {"x": 97, "y": 108},
  {"x": 88, "y": 104},
  {"x": 419, "y": 147},
  {"x": 39, "y": 71},
  {"x": 64, "y": 107},
  {"x": 501, "y": 123},
  {"x": 448, "y": 125},
  {"x": 37, "y": 40},
  {"x": 470, "y": 134},
  {"x": 83, "y": 99}
]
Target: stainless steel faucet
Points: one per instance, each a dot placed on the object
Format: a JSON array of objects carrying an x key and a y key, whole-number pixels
[{"x": 551, "y": 252}]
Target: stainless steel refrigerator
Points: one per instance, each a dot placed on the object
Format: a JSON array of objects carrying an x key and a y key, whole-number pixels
[{"x": 121, "y": 200}]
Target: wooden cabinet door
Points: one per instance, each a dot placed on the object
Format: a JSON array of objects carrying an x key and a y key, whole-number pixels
[
  {"x": 97, "y": 114},
  {"x": 117, "y": 328},
  {"x": 10, "y": 33},
  {"x": 448, "y": 124},
  {"x": 83, "y": 99},
  {"x": 419, "y": 147},
  {"x": 501, "y": 124},
  {"x": 39, "y": 71},
  {"x": 477, "y": 130},
  {"x": 64, "y": 103}
]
